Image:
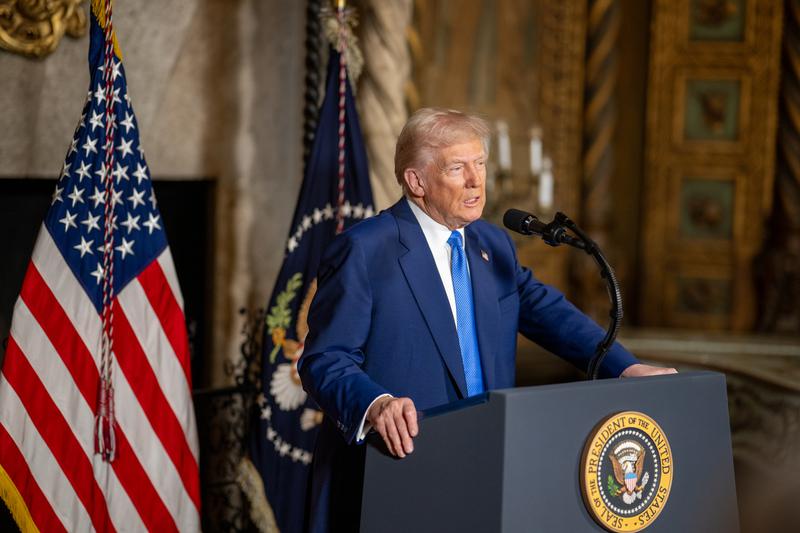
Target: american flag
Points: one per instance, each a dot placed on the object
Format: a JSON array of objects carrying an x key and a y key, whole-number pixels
[{"x": 52, "y": 477}]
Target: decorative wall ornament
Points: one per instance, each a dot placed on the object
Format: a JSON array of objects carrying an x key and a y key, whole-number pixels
[
  {"x": 717, "y": 20},
  {"x": 712, "y": 116},
  {"x": 706, "y": 208},
  {"x": 34, "y": 28},
  {"x": 711, "y": 109}
]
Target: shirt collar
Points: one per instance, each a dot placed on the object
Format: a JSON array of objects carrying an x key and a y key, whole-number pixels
[{"x": 435, "y": 233}]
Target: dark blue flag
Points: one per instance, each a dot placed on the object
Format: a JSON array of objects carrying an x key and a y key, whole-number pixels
[{"x": 283, "y": 440}]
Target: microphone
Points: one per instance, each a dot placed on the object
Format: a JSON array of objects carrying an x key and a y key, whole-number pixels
[
  {"x": 553, "y": 233},
  {"x": 523, "y": 222}
]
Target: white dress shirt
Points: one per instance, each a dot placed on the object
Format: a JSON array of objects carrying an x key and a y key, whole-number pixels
[{"x": 436, "y": 236}]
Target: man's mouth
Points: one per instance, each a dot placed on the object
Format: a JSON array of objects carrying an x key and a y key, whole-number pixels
[{"x": 472, "y": 202}]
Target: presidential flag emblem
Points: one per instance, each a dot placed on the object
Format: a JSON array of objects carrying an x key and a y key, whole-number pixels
[{"x": 626, "y": 472}]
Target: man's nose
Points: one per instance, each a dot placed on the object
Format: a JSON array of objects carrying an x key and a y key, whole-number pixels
[{"x": 474, "y": 176}]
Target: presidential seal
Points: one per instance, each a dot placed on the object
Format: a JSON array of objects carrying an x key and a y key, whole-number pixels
[{"x": 626, "y": 472}]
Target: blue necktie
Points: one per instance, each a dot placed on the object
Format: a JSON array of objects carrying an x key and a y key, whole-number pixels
[{"x": 465, "y": 316}]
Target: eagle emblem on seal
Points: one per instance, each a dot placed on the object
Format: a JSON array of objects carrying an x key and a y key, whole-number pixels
[{"x": 627, "y": 460}]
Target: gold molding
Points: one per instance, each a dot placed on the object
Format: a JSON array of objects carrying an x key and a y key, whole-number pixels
[
  {"x": 748, "y": 159},
  {"x": 35, "y": 28}
]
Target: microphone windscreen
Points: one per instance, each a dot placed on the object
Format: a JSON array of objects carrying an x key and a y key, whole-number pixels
[{"x": 515, "y": 220}]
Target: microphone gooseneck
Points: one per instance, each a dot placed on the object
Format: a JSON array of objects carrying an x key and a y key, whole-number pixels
[{"x": 555, "y": 233}]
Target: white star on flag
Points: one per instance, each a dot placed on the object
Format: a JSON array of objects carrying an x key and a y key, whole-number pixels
[
  {"x": 76, "y": 195},
  {"x": 84, "y": 247},
  {"x": 151, "y": 223},
  {"x": 96, "y": 121},
  {"x": 132, "y": 223},
  {"x": 98, "y": 273},
  {"x": 125, "y": 147},
  {"x": 120, "y": 172},
  {"x": 140, "y": 173},
  {"x": 83, "y": 171},
  {"x": 128, "y": 122},
  {"x": 57, "y": 195},
  {"x": 91, "y": 222},
  {"x": 125, "y": 248},
  {"x": 136, "y": 198},
  {"x": 69, "y": 221},
  {"x": 99, "y": 197},
  {"x": 90, "y": 146},
  {"x": 100, "y": 95},
  {"x": 116, "y": 198}
]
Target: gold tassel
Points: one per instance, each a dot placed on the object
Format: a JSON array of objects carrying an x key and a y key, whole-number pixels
[
  {"x": 99, "y": 12},
  {"x": 343, "y": 39}
]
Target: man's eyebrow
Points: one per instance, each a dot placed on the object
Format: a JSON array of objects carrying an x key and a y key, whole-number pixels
[{"x": 464, "y": 159}]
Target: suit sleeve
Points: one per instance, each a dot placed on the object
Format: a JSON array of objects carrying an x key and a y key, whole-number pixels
[
  {"x": 339, "y": 324},
  {"x": 549, "y": 319}
]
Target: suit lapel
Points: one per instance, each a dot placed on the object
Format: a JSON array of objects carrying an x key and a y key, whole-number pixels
[
  {"x": 422, "y": 276},
  {"x": 484, "y": 295}
]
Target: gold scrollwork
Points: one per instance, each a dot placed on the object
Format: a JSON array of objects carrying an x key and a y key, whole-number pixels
[{"x": 35, "y": 27}]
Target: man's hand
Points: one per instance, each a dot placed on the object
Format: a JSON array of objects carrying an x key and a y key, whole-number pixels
[
  {"x": 639, "y": 370},
  {"x": 396, "y": 421}
]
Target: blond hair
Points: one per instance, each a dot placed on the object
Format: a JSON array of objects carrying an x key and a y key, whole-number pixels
[{"x": 431, "y": 129}]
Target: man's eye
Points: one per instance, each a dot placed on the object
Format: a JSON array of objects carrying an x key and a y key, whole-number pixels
[
  {"x": 480, "y": 163},
  {"x": 455, "y": 168}
]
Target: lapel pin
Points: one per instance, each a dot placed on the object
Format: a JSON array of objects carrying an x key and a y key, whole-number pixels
[{"x": 485, "y": 255}]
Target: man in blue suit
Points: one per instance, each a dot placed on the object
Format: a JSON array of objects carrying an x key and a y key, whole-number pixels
[{"x": 420, "y": 306}]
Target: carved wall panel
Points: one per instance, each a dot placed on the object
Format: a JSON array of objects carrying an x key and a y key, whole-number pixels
[{"x": 710, "y": 150}]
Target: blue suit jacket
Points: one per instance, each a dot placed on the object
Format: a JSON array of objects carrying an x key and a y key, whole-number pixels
[{"x": 381, "y": 323}]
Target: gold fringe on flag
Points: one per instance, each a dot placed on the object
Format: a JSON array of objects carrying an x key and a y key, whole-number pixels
[
  {"x": 99, "y": 12},
  {"x": 16, "y": 505}
]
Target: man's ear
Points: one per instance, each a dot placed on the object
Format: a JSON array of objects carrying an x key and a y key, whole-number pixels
[{"x": 414, "y": 182}]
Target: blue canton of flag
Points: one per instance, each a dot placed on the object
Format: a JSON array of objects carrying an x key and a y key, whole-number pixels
[
  {"x": 282, "y": 445},
  {"x": 76, "y": 216}
]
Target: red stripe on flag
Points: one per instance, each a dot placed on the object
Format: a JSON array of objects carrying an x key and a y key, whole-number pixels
[
  {"x": 134, "y": 364},
  {"x": 78, "y": 360},
  {"x": 55, "y": 323},
  {"x": 17, "y": 469},
  {"x": 139, "y": 488},
  {"x": 57, "y": 434},
  {"x": 169, "y": 313}
]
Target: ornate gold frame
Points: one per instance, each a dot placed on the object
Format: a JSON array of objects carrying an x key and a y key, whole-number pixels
[{"x": 35, "y": 28}]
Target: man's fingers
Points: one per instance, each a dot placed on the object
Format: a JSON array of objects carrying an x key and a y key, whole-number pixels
[
  {"x": 395, "y": 419},
  {"x": 394, "y": 437},
  {"x": 410, "y": 415},
  {"x": 380, "y": 426},
  {"x": 402, "y": 429}
]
